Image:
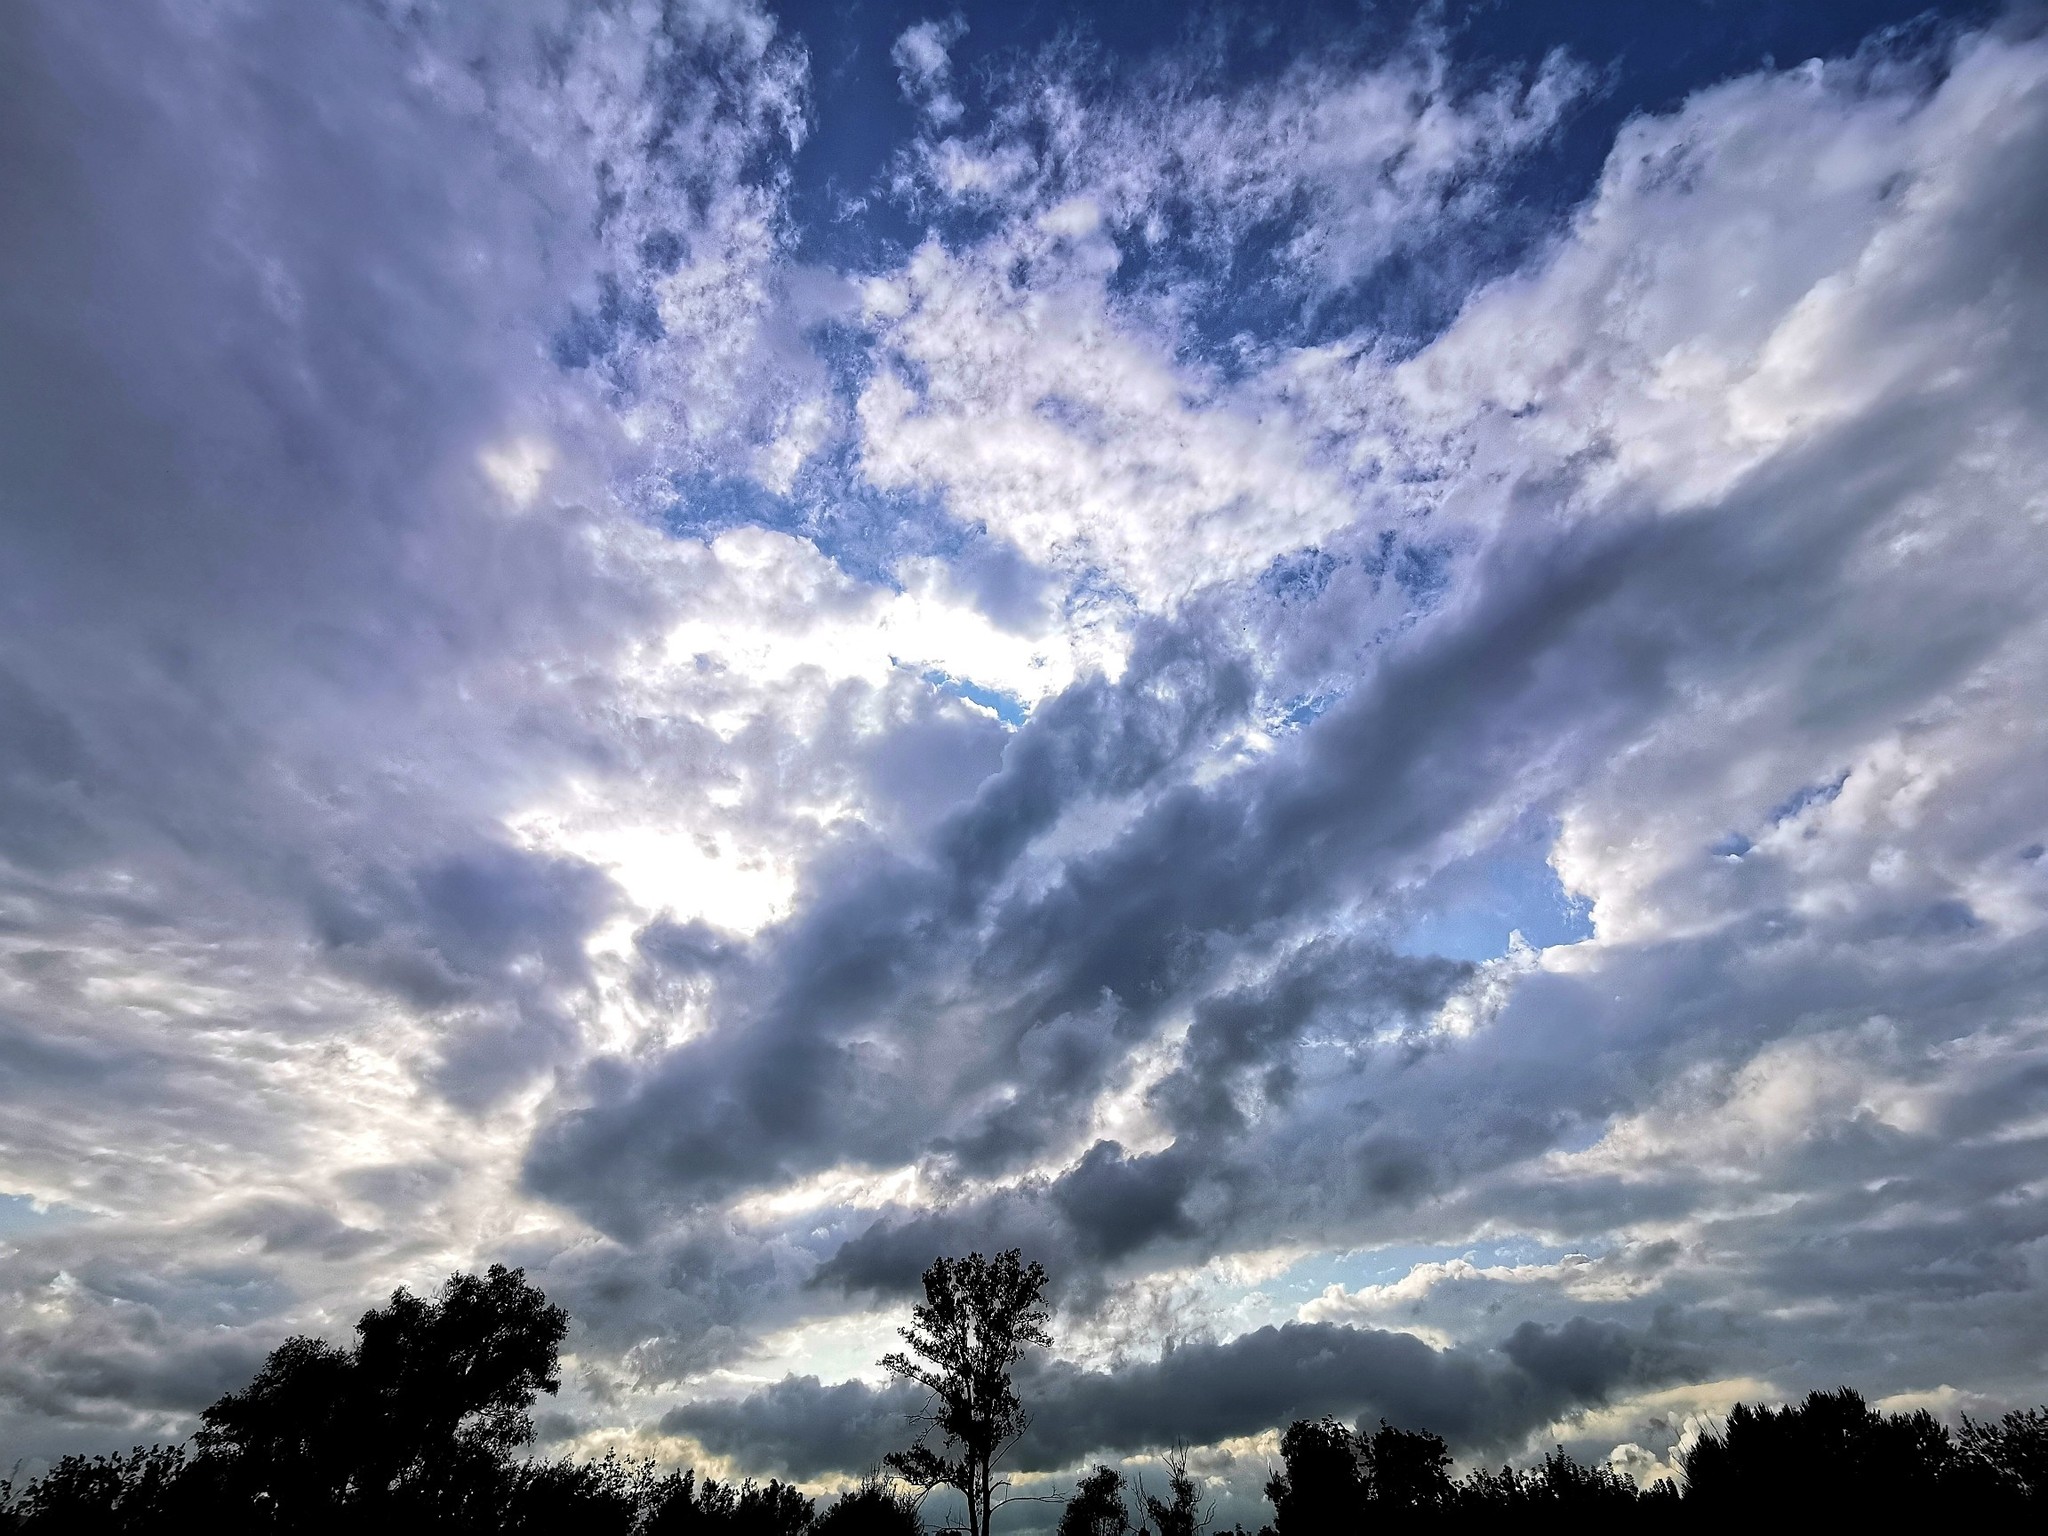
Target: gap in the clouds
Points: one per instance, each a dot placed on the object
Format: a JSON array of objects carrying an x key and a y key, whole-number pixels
[
  {"x": 839, "y": 195},
  {"x": 1303, "y": 709},
  {"x": 707, "y": 504},
  {"x": 1301, "y": 576},
  {"x": 25, "y": 1213},
  {"x": 1738, "y": 845},
  {"x": 1472, "y": 908},
  {"x": 1280, "y": 1298},
  {"x": 864, "y": 531},
  {"x": 1239, "y": 303},
  {"x": 1819, "y": 793},
  {"x": 1006, "y": 707}
]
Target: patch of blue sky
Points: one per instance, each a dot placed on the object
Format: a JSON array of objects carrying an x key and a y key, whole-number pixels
[
  {"x": 1247, "y": 298},
  {"x": 1736, "y": 845},
  {"x": 1280, "y": 1297},
  {"x": 708, "y": 504},
  {"x": 1468, "y": 910},
  {"x": 24, "y": 1214},
  {"x": 1238, "y": 296},
  {"x": 1302, "y": 710},
  {"x": 1006, "y": 707},
  {"x": 863, "y": 530},
  {"x": 1299, "y": 577},
  {"x": 1807, "y": 795},
  {"x": 1421, "y": 568},
  {"x": 623, "y": 317}
]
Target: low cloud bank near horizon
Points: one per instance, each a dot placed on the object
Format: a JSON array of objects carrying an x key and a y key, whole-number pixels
[{"x": 1209, "y": 1391}]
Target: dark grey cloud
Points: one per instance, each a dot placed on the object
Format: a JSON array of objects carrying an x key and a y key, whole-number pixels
[
  {"x": 794, "y": 1082},
  {"x": 803, "y": 1426},
  {"x": 1209, "y": 1391},
  {"x": 1421, "y": 746}
]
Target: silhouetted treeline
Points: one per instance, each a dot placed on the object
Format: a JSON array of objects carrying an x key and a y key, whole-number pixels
[
  {"x": 415, "y": 1428},
  {"x": 1831, "y": 1456},
  {"x": 418, "y": 1426}
]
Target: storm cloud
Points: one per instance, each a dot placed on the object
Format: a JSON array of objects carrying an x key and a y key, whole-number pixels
[{"x": 1212, "y": 1391}]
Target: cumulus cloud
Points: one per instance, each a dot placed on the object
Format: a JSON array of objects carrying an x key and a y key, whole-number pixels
[{"x": 922, "y": 65}]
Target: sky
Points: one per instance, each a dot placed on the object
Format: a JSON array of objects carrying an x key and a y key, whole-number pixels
[{"x": 1370, "y": 676}]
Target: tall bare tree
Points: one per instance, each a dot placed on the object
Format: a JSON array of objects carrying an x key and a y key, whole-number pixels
[{"x": 976, "y": 1318}]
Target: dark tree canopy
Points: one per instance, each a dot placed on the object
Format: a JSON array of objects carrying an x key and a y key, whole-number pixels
[
  {"x": 1561, "y": 1487},
  {"x": 416, "y": 1419},
  {"x": 873, "y": 1508},
  {"x": 2011, "y": 1451},
  {"x": 1097, "y": 1507},
  {"x": 1834, "y": 1452},
  {"x": 1322, "y": 1484}
]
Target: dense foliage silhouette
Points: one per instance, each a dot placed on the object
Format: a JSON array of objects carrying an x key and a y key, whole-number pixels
[
  {"x": 414, "y": 1428},
  {"x": 1834, "y": 1453},
  {"x": 420, "y": 1425},
  {"x": 1097, "y": 1507}
]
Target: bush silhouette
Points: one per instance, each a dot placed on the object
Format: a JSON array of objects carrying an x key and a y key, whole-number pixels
[
  {"x": 873, "y": 1508},
  {"x": 1561, "y": 1486}
]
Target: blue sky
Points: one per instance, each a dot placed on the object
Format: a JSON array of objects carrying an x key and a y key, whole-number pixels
[{"x": 1366, "y": 674}]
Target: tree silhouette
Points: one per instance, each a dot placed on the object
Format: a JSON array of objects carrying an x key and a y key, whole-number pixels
[
  {"x": 1097, "y": 1507},
  {"x": 288, "y": 1445},
  {"x": 678, "y": 1505},
  {"x": 2012, "y": 1452},
  {"x": 1829, "y": 1453},
  {"x": 1335, "y": 1476},
  {"x": 415, "y": 1429},
  {"x": 605, "y": 1497},
  {"x": 970, "y": 1330},
  {"x": 1559, "y": 1487},
  {"x": 1407, "y": 1472},
  {"x": 1322, "y": 1486},
  {"x": 146, "y": 1490},
  {"x": 416, "y": 1421},
  {"x": 1180, "y": 1513}
]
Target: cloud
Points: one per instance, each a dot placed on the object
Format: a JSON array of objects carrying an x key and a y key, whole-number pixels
[
  {"x": 1210, "y": 1392},
  {"x": 1609, "y": 588},
  {"x": 1044, "y": 406},
  {"x": 803, "y": 1426},
  {"x": 922, "y": 64}
]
